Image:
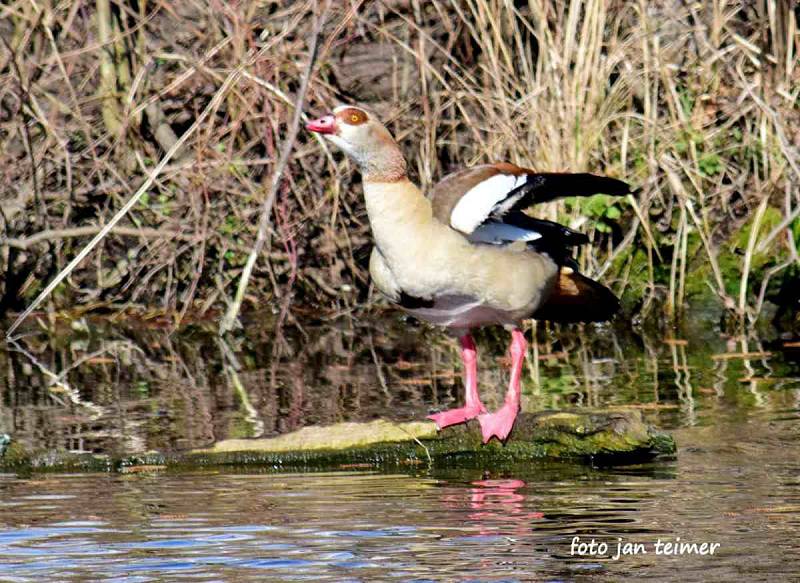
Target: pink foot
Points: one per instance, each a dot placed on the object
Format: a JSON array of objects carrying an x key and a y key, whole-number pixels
[
  {"x": 499, "y": 423},
  {"x": 473, "y": 406},
  {"x": 456, "y": 416}
]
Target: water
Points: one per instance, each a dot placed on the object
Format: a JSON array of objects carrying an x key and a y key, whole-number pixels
[{"x": 733, "y": 405}]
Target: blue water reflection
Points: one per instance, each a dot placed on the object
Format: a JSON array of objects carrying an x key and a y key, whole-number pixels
[{"x": 453, "y": 525}]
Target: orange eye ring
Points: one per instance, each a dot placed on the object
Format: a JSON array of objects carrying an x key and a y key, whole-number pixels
[{"x": 352, "y": 116}]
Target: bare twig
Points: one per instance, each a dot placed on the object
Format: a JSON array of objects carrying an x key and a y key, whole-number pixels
[
  {"x": 748, "y": 257},
  {"x": 54, "y": 234},
  {"x": 230, "y": 318},
  {"x": 58, "y": 383},
  {"x": 231, "y": 366}
]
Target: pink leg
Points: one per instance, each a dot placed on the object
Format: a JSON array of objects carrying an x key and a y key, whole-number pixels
[
  {"x": 473, "y": 406},
  {"x": 499, "y": 423}
]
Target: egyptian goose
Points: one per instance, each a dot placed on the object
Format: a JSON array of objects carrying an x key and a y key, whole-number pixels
[{"x": 467, "y": 256}]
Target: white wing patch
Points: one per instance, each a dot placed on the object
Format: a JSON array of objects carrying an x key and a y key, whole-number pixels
[
  {"x": 474, "y": 207},
  {"x": 496, "y": 233}
]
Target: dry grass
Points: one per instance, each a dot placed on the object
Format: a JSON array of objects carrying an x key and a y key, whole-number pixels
[{"x": 697, "y": 103}]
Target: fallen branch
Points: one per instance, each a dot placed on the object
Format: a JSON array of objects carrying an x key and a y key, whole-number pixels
[{"x": 610, "y": 436}]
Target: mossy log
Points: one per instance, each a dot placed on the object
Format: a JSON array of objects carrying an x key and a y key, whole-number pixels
[{"x": 607, "y": 436}]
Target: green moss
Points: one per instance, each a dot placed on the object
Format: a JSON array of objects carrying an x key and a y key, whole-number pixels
[
  {"x": 15, "y": 455},
  {"x": 618, "y": 434},
  {"x": 731, "y": 256}
]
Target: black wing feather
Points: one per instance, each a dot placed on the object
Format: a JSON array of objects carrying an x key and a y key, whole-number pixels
[
  {"x": 547, "y": 186},
  {"x": 556, "y": 240}
]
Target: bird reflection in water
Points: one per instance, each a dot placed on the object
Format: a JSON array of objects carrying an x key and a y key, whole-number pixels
[{"x": 497, "y": 507}]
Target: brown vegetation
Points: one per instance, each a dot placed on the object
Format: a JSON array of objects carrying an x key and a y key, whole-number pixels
[{"x": 697, "y": 103}]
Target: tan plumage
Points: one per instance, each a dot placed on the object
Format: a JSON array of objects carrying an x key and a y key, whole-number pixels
[
  {"x": 468, "y": 256},
  {"x": 418, "y": 255}
]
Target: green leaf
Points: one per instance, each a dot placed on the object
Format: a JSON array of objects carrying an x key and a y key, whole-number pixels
[{"x": 710, "y": 164}]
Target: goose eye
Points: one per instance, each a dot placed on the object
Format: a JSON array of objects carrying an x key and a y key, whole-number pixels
[{"x": 353, "y": 116}]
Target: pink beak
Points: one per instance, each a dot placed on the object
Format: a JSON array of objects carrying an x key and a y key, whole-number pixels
[{"x": 323, "y": 125}]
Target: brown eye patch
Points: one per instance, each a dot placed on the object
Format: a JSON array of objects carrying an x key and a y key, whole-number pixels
[{"x": 352, "y": 116}]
